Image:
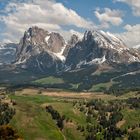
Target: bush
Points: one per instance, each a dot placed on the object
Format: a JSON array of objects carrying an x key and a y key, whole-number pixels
[{"x": 8, "y": 133}]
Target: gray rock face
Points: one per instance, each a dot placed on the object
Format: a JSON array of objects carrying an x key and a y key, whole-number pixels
[
  {"x": 39, "y": 49},
  {"x": 71, "y": 43},
  {"x": 74, "y": 39},
  {"x": 7, "y": 53},
  {"x": 137, "y": 47},
  {"x": 37, "y": 40},
  {"x": 43, "y": 63}
]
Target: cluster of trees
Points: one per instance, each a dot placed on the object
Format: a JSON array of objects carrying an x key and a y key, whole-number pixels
[
  {"x": 109, "y": 134},
  {"x": 134, "y": 126},
  {"x": 103, "y": 107},
  {"x": 106, "y": 115},
  {"x": 56, "y": 116},
  {"x": 134, "y": 102},
  {"x": 128, "y": 82},
  {"x": 111, "y": 120},
  {"x": 6, "y": 113},
  {"x": 135, "y": 135},
  {"x": 88, "y": 81},
  {"x": 118, "y": 90},
  {"x": 8, "y": 133}
]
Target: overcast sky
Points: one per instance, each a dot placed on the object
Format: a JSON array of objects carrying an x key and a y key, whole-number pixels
[{"x": 121, "y": 17}]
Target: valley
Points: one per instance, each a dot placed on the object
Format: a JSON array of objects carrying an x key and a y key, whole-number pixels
[
  {"x": 81, "y": 113},
  {"x": 97, "y": 62},
  {"x": 69, "y": 70}
]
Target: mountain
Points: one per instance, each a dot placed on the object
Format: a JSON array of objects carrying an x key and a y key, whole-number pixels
[
  {"x": 99, "y": 59},
  {"x": 137, "y": 47},
  {"x": 7, "y": 53},
  {"x": 48, "y": 52},
  {"x": 98, "y": 47},
  {"x": 40, "y": 50},
  {"x": 71, "y": 43}
]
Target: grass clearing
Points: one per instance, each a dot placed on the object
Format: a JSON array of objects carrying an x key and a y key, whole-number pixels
[
  {"x": 131, "y": 117},
  {"x": 71, "y": 133},
  {"x": 68, "y": 110},
  {"x": 99, "y": 87},
  {"x": 49, "y": 80}
]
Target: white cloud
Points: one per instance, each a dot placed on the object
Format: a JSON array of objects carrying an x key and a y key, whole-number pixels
[
  {"x": 47, "y": 14},
  {"x": 67, "y": 34},
  {"x": 135, "y": 5},
  {"x": 132, "y": 35},
  {"x": 79, "y": 34},
  {"x": 108, "y": 16}
]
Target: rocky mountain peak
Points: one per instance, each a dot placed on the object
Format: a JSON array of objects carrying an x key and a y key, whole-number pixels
[
  {"x": 43, "y": 50},
  {"x": 104, "y": 39},
  {"x": 73, "y": 40},
  {"x": 35, "y": 35},
  {"x": 55, "y": 42},
  {"x": 71, "y": 43},
  {"x": 87, "y": 35},
  {"x": 36, "y": 41},
  {"x": 98, "y": 47}
]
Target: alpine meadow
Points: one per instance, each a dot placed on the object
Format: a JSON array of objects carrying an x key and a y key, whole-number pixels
[{"x": 69, "y": 70}]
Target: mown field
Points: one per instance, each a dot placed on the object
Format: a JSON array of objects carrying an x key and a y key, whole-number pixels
[{"x": 32, "y": 121}]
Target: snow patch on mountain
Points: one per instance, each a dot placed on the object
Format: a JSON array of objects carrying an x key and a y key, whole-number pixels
[
  {"x": 134, "y": 59},
  {"x": 110, "y": 36},
  {"x": 94, "y": 61},
  {"x": 39, "y": 63},
  {"x": 20, "y": 61},
  {"x": 137, "y": 47},
  {"x": 98, "y": 60},
  {"x": 47, "y": 39},
  {"x": 108, "y": 40},
  {"x": 7, "y": 53}
]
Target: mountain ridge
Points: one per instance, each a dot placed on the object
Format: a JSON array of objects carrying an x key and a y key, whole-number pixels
[
  {"x": 96, "y": 47},
  {"x": 47, "y": 52},
  {"x": 88, "y": 66}
]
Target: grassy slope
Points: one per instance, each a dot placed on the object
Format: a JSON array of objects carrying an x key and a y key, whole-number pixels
[
  {"x": 49, "y": 80},
  {"x": 70, "y": 112},
  {"x": 32, "y": 121},
  {"x": 99, "y": 87},
  {"x": 132, "y": 117}
]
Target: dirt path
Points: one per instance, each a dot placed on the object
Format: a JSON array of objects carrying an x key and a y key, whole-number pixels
[
  {"x": 120, "y": 124},
  {"x": 82, "y": 95},
  {"x": 64, "y": 94}
]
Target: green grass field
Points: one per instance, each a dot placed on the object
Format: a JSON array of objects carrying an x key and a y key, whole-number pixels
[
  {"x": 132, "y": 117},
  {"x": 33, "y": 122},
  {"x": 101, "y": 86},
  {"x": 49, "y": 80}
]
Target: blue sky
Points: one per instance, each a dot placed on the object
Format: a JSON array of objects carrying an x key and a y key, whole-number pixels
[
  {"x": 121, "y": 17},
  {"x": 86, "y": 9}
]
